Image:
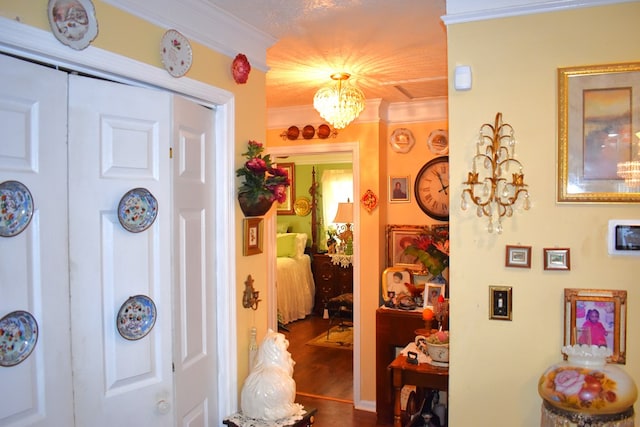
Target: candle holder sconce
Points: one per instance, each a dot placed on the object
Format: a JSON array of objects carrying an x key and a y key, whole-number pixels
[
  {"x": 250, "y": 298},
  {"x": 487, "y": 185}
]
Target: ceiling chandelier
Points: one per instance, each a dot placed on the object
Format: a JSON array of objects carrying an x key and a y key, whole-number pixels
[
  {"x": 339, "y": 104},
  {"x": 630, "y": 171}
]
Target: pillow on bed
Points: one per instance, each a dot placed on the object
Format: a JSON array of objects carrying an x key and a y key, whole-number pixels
[
  {"x": 286, "y": 244},
  {"x": 282, "y": 227},
  {"x": 301, "y": 244}
]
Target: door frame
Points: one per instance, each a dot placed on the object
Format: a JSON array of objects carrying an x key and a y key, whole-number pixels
[
  {"x": 38, "y": 45},
  {"x": 272, "y": 317}
]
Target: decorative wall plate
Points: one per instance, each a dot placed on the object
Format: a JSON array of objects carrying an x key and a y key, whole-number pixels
[
  {"x": 73, "y": 23},
  {"x": 136, "y": 317},
  {"x": 438, "y": 142},
  {"x": 137, "y": 210},
  {"x": 176, "y": 53},
  {"x": 302, "y": 206},
  {"x": 402, "y": 140},
  {"x": 18, "y": 337},
  {"x": 240, "y": 68},
  {"x": 16, "y": 208},
  {"x": 369, "y": 200}
]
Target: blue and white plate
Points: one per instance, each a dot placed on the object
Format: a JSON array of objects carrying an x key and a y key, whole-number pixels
[
  {"x": 16, "y": 208},
  {"x": 137, "y": 210},
  {"x": 136, "y": 317},
  {"x": 18, "y": 337}
]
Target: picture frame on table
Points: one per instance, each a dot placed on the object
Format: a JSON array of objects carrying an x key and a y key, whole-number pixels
[
  {"x": 432, "y": 292},
  {"x": 584, "y": 309},
  {"x": 399, "y": 191},
  {"x": 252, "y": 241},
  {"x": 518, "y": 256},
  {"x": 596, "y": 116},
  {"x": 557, "y": 258},
  {"x": 288, "y": 206},
  {"x": 394, "y": 278},
  {"x": 398, "y": 238}
]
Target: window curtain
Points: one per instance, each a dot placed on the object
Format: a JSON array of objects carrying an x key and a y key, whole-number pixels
[{"x": 337, "y": 187}]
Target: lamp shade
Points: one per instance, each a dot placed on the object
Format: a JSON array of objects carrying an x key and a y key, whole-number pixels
[
  {"x": 339, "y": 104},
  {"x": 344, "y": 215}
]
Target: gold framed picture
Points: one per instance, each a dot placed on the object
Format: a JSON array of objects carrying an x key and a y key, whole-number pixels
[
  {"x": 597, "y": 317},
  {"x": 398, "y": 238},
  {"x": 596, "y": 143},
  {"x": 288, "y": 206},
  {"x": 252, "y": 236}
]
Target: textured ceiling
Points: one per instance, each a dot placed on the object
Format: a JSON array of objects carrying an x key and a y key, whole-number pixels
[{"x": 395, "y": 51}]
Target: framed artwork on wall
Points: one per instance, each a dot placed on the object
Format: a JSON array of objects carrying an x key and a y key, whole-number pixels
[
  {"x": 288, "y": 206},
  {"x": 518, "y": 256},
  {"x": 597, "y": 317},
  {"x": 557, "y": 259},
  {"x": 596, "y": 139},
  {"x": 398, "y": 238},
  {"x": 252, "y": 242},
  {"x": 399, "y": 189}
]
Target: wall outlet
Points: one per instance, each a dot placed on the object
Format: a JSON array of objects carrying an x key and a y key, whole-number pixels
[{"x": 500, "y": 302}]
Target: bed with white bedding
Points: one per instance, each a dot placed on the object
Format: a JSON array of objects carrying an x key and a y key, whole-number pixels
[{"x": 294, "y": 280}]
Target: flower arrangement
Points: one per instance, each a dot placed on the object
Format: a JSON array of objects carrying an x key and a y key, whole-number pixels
[
  {"x": 261, "y": 179},
  {"x": 432, "y": 250}
]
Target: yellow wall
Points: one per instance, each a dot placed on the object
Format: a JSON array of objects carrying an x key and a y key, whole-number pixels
[
  {"x": 495, "y": 365},
  {"x": 141, "y": 42}
]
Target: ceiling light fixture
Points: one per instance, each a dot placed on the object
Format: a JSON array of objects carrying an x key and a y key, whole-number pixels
[{"x": 339, "y": 104}]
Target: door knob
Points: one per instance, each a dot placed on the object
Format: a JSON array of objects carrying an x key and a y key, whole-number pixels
[{"x": 163, "y": 407}]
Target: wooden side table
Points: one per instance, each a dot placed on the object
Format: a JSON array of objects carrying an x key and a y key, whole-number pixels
[
  {"x": 306, "y": 421},
  {"x": 422, "y": 375}
]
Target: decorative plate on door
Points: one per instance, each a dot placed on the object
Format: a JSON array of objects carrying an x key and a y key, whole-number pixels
[
  {"x": 16, "y": 208},
  {"x": 176, "y": 53},
  {"x": 136, "y": 317},
  {"x": 18, "y": 337},
  {"x": 137, "y": 210}
]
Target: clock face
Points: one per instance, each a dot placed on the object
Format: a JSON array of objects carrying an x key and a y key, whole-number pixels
[{"x": 432, "y": 188}]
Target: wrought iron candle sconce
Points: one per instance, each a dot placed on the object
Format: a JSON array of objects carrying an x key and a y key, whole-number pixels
[
  {"x": 250, "y": 298},
  {"x": 487, "y": 184}
]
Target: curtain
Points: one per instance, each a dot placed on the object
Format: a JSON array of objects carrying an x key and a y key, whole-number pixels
[{"x": 336, "y": 187}]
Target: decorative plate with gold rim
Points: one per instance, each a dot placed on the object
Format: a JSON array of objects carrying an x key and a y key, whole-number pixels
[
  {"x": 438, "y": 142},
  {"x": 402, "y": 140},
  {"x": 302, "y": 206},
  {"x": 176, "y": 53}
]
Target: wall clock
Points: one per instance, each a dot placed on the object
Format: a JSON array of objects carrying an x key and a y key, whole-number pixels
[{"x": 432, "y": 188}]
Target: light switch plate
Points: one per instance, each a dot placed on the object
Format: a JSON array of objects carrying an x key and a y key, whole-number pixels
[{"x": 500, "y": 302}]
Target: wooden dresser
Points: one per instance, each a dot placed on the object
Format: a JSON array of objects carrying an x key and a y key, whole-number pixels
[
  {"x": 331, "y": 280},
  {"x": 394, "y": 329}
]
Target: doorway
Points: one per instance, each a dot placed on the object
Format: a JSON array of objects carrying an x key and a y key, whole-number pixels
[{"x": 338, "y": 148}]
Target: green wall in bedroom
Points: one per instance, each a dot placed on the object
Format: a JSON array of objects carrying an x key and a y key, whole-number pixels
[{"x": 302, "y": 183}]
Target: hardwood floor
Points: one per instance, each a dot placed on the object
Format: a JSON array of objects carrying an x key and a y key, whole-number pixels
[{"x": 324, "y": 376}]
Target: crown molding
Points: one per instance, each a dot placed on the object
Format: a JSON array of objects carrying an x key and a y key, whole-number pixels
[
  {"x": 205, "y": 23},
  {"x": 461, "y": 11},
  {"x": 376, "y": 110}
]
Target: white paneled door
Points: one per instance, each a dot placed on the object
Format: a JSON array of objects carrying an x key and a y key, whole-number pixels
[
  {"x": 80, "y": 144},
  {"x": 33, "y": 264},
  {"x": 119, "y": 139}
]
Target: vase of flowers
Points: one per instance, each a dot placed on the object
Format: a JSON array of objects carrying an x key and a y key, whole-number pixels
[
  {"x": 263, "y": 183},
  {"x": 432, "y": 250}
]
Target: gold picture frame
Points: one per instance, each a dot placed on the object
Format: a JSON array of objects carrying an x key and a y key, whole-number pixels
[
  {"x": 288, "y": 206},
  {"x": 397, "y": 236},
  {"x": 611, "y": 307},
  {"x": 595, "y": 123},
  {"x": 252, "y": 241}
]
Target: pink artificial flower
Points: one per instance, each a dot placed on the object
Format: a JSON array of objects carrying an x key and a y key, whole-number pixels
[{"x": 257, "y": 165}]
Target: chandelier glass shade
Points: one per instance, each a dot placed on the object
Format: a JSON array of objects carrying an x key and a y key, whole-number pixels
[{"x": 339, "y": 104}]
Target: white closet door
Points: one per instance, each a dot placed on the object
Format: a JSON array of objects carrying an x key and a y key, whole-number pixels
[
  {"x": 194, "y": 275},
  {"x": 33, "y": 264},
  {"x": 118, "y": 140}
]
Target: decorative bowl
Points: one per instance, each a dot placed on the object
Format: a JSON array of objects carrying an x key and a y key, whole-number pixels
[{"x": 439, "y": 353}]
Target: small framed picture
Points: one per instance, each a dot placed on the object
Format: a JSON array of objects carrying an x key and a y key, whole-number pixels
[
  {"x": 394, "y": 283},
  {"x": 433, "y": 291},
  {"x": 252, "y": 236},
  {"x": 287, "y": 207},
  {"x": 556, "y": 259},
  {"x": 399, "y": 189},
  {"x": 597, "y": 317},
  {"x": 518, "y": 256}
]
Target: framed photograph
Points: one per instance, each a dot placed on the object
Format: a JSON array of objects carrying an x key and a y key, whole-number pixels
[
  {"x": 398, "y": 238},
  {"x": 596, "y": 123},
  {"x": 433, "y": 292},
  {"x": 597, "y": 317},
  {"x": 288, "y": 206},
  {"x": 393, "y": 282},
  {"x": 252, "y": 236},
  {"x": 518, "y": 256},
  {"x": 557, "y": 259},
  {"x": 399, "y": 189}
]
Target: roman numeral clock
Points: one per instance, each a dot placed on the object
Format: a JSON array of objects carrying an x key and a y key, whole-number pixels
[{"x": 432, "y": 188}]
